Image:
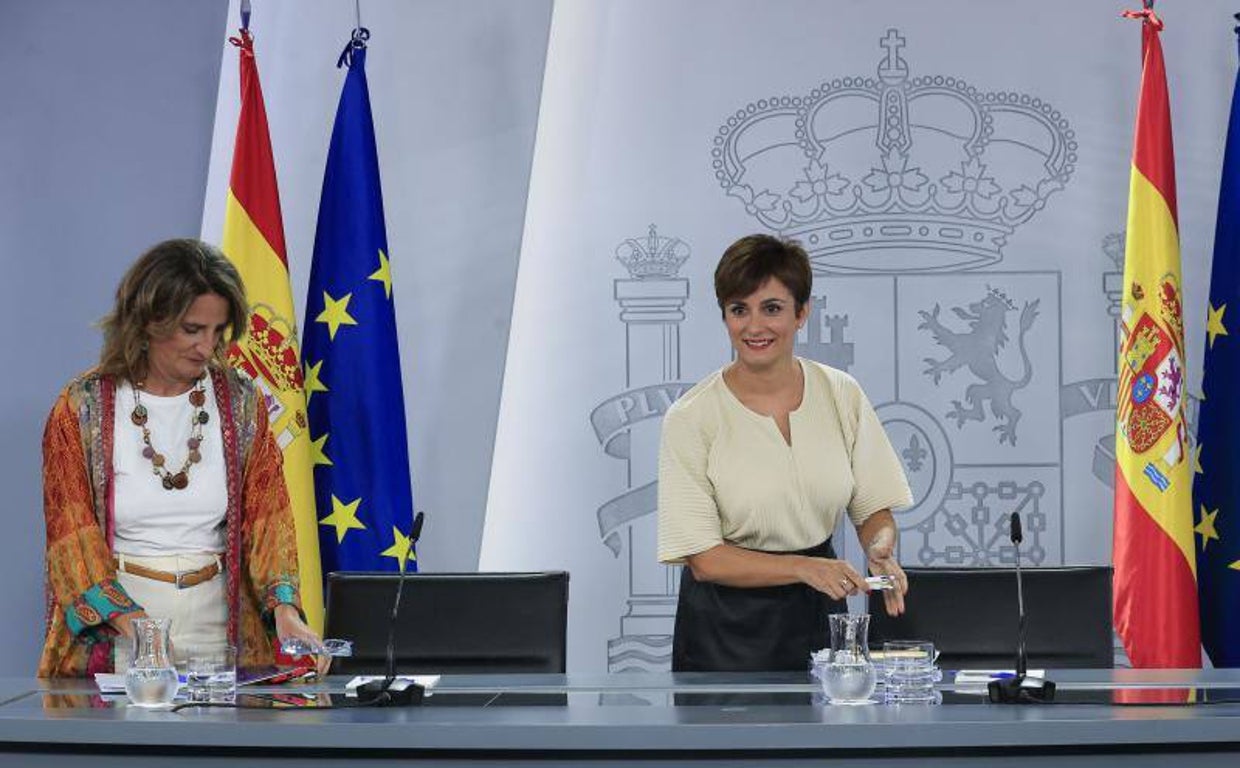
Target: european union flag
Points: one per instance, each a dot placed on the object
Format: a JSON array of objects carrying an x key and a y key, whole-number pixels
[
  {"x": 353, "y": 387},
  {"x": 1216, "y": 490}
]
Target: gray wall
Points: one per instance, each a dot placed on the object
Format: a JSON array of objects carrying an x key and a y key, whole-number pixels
[{"x": 105, "y": 136}]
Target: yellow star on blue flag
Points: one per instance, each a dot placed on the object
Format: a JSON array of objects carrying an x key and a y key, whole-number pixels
[{"x": 401, "y": 548}]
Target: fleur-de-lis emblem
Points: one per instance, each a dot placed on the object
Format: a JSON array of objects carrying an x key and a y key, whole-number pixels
[{"x": 914, "y": 455}]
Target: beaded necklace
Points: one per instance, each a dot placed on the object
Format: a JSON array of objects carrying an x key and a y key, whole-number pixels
[{"x": 178, "y": 480}]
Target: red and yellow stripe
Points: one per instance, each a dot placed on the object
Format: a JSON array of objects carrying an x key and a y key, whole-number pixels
[
  {"x": 1155, "y": 600},
  {"x": 254, "y": 241}
]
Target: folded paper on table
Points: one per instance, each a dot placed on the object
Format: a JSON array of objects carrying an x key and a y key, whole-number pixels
[
  {"x": 982, "y": 677},
  {"x": 426, "y": 681},
  {"x": 908, "y": 654}
]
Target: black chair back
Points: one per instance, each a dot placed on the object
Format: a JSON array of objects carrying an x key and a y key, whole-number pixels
[
  {"x": 970, "y": 614},
  {"x": 456, "y": 623}
]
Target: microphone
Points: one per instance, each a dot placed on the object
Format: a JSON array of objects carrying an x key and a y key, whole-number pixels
[
  {"x": 1021, "y": 688},
  {"x": 390, "y": 692},
  {"x": 1022, "y": 657}
]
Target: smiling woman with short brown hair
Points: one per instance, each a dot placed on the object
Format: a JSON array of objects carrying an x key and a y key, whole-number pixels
[{"x": 756, "y": 465}]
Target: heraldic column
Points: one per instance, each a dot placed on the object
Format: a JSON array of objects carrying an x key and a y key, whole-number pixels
[{"x": 652, "y": 304}]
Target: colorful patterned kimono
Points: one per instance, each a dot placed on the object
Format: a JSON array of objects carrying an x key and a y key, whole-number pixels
[{"x": 83, "y": 593}]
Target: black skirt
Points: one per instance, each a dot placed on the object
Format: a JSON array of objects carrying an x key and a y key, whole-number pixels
[{"x": 759, "y": 629}]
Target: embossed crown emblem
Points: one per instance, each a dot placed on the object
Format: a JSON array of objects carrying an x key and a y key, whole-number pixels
[
  {"x": 653, "y": 256},
  {"x": 895, "y": 174}
]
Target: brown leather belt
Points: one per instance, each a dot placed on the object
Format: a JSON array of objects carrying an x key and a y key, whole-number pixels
[{"x": 182, "y": 579}]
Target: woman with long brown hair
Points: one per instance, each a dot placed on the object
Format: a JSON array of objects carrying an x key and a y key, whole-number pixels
[{"x": 163, "y": 488}]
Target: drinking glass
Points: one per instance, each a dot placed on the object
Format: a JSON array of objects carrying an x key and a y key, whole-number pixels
[
  {"x": 910, "y": 672},
  {"x": 211, "y": 675}
]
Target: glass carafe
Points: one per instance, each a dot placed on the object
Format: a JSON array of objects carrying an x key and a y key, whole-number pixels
[
  {"x": 151, "y": 680},
  {"x": 849, "y": 677}
]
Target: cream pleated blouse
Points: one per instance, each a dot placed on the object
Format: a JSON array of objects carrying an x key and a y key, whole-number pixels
[{"x": 726, "y": 474}]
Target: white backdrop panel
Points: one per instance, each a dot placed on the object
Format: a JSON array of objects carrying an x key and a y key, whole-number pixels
[{"x": 956, "y": 169}]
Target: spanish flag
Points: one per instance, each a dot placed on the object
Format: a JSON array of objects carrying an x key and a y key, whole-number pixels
[
  {"x": 1155, "y": 569},
  {"x": 269, "y": 354}
]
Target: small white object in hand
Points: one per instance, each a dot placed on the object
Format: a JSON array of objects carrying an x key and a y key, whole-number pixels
[
  {"x": 296, "y": 646},
  {"x": 881, "y": 582}
]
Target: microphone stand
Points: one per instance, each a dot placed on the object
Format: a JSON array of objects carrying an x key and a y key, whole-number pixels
[
  {"x": 390, "y": 692},
  {"x": 1021, "y": 688}
]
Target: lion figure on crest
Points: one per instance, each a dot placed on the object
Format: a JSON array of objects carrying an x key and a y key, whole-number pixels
[{"x": 978, "y": 348}]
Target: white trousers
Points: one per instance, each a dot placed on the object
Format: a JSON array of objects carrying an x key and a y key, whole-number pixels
[{"x": 199, "y": 614}]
